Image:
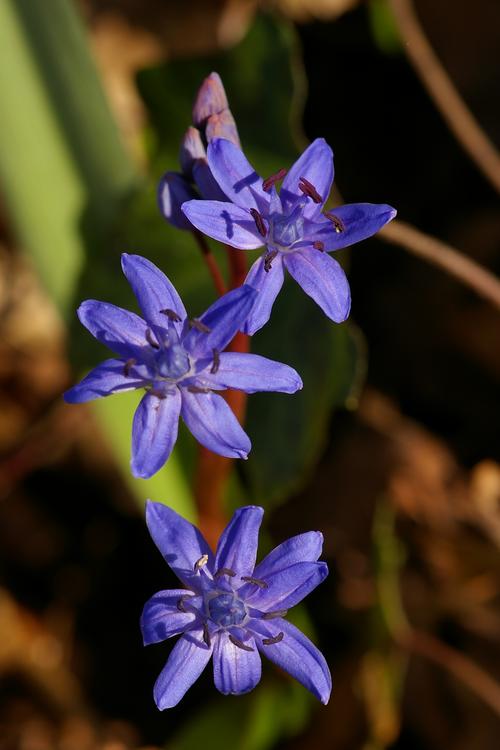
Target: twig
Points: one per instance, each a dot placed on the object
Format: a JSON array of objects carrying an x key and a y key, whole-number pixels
[
  {"x": 460, "y": 666},
  {"x": 444, "y": 256},
  {"x": 219, "y": 283},
  {"x": 442, "y": 90}
]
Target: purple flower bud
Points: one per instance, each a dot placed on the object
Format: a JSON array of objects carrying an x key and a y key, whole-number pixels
[
  {"x": 192, "y": 149},
  {"x": 210, "y": 100},
  {"x": 222, "y": 125},
  {"x": 173, "y": 191}
]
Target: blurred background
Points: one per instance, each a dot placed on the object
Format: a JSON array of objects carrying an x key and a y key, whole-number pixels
[{"x": 392, "y": 447}]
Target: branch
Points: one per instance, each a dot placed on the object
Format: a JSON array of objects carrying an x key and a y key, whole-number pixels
[
  {"x": 482, "y": 281},
  {"x": 442, "y": 90}
]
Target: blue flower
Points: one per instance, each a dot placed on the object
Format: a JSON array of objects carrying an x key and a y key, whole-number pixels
[
  {"x": 212, "y": 118},
  {"x": 180, "y": 363},
  {"x": 296, "y": 233},
  {"x": 231, "y": 609}
]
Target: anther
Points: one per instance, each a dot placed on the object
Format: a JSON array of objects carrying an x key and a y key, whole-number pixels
[
  {"x": 337, "y": 223},
  {"x": 150, "y": 339},
  {"x": 216, "y": 362},
  {"x": 271, "y": 641},
  {"x": 274, "y": 615},
  {"x": 318, "y": 245},
  {"x": 255, "y": 581},
  {"x": 195, "y": 323},
  {"x": 180, "y": 605},
  {"x": 206, "y": 635},
  {"x": 259, "y": 222},
  {"x": 224, "y": 572},
  {"x": 270, "y": 181},
  {"x": 308, "y": 189},
  {"x": 171, "y": 315},
  {"x": 240, "y": 644},
  {"x": 128, "y": 366},
  {"x": 157, "y": 393},
  {"x": 268, "y": 260},
  {"x": 200, "y": 563},
  {"x": 197, "y": 389}
]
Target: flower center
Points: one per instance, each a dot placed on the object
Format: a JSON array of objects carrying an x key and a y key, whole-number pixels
[
  {"x": 172, "y": 361},
  {"x": 285, "y": 231},
  {"x": 226, "y": 610}
]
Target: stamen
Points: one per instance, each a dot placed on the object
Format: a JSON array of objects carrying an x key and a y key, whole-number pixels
[
  {"x": 197, "y": 389},
  {"x": 337, "y": 223},
  {"x": 171, "y": 315},
  {"x": 274, "y": 615},
  {"x": 180, "y": 605},
  {"x": 259, "y": 222},
  {"x": 206, "y": 635},
  {"x": 240, "y": 644},
  {"x": 128, "y": 366},
  {"x": 200, "y": 563},
  {"x": 195, "y": 323},
  {"x": 308, "y": 189},
  {"x": 255, "y": 581},
  {"x": 271, "y": 641},
  {"x": 216, "y": 362},
  {"x": 150, "y": 339},
  {"x": 224, "y": 572},
  {"x": 270, "y": 181},
  {"x": 318, "y": 245},
  {"x": 269, "y": 259}
]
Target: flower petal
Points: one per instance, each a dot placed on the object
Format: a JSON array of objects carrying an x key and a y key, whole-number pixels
[
  {"x": 214, "y": 425},
  {"x": 323, "y": 279},
  {"x": 360, "y": 220},
  {"x": 301, "y": 548},
  {"x": 180, "y": 543},
  {"x": 123, "y": 331},
  {"x": 154, "y": 432},
  {"x": 161, "y": 617},
  {"x": 296, "y": 655},
  {"x": 205, "y": 182},
  {"x": 316, "y": 166},
  {"x": 268, "y": 284},
  {"x": 186, "y": 662},
  {"x": 236, "y": 176},
  {"x": 173, "y": 191},
  {"x": 236, "y": 670},
  {"x": 252, "y": 374},
  {"x": 287, "y": 587},
  {"x": 237, "y": 547},
  {"x": 107, "y": 378},
  {"x": 153, "y": 291},
  {"x": 224, "y": 222},
  {"x": 223, "y": 319}
]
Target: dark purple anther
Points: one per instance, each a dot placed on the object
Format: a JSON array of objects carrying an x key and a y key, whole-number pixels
[
  {"x": 259, "y": 222},
  {"x": 274, "y": 615},
  {"x": 337, "y": 223},
  {"x": 255, "y": 581},
  {"x": 200, "y": 563},
  {"x": 318, "y": 245},
  {"x": 225, "y": 572},
  {"x": 195, "y": 323},
  {"x": 150, "y": 339},
  {"x": 128, "y": 366},
  {"x": 270, "y": 641},
  {"x": 171, "y": 315},
  {"x": 197, "y": 389},
  {"x": 216, "y": 363},
  {"x": 159, "y": 394},
  {"x": 206, "y": 635},
  {"x": 268, "y": 260},
  {"x": 308, "y": 189},
  {"x": 273, "y": 179},
  {"x": 239, "y": 643}
]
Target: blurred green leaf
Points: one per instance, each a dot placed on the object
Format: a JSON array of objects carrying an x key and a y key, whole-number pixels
[{"x": 383, "y": 27}]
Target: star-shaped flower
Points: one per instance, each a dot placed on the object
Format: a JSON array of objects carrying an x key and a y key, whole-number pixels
[
  {"x": 231, "y": 609},
  {"x": 181, "y": 364},
  {"x": 297, "y": 234}
]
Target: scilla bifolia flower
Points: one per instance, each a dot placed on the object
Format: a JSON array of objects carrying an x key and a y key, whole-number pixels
[
  {"x": 212, "y": 118},
  {"x": 230, "y": 609},
  {"x": 181, "y": 364},
  {"x": 291, "y": 224}
]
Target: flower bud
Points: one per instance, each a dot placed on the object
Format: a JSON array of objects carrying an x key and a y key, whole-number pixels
[
  {"x": 191, "y": 150},
  {"x": 173, "y": 191},
  {"x": 210, "y": 100},
  {"x": 222, "y": 125}
]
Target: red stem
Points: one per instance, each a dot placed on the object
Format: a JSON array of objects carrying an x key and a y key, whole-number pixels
[
  {"x": 212, "y": 472},
  {"x": 213, "y": 268}
]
